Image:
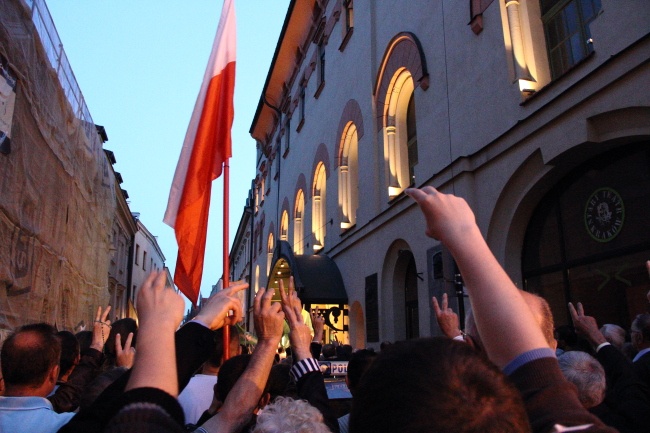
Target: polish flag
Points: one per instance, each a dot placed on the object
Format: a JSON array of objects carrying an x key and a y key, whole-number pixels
[{"x": 206, "y": 147}]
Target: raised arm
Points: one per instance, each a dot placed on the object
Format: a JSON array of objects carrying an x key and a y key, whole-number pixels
[
  {"x": 67, "y": 396},
  {"x": 160, "y": 311},
  {"x": 306, "y": 369},
  {"x": 498, "y": 307},
  {"x": 238, "y": 408}
]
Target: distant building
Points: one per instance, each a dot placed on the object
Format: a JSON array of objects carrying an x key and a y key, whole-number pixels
[
  {"x": 124, "y": 229},
  {"x": 240, "y": 259},
  {"x": 536, "y": 112},
  {"x": 146, "y": 257}
]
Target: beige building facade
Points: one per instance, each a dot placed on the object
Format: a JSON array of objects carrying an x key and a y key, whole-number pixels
[{"x": 536, "y": 112}]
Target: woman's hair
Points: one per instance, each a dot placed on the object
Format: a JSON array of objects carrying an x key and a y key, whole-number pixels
[{"x": 288, "y": 415}]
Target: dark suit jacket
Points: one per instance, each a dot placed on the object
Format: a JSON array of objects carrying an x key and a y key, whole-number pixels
[
  {"x": 627, "y": 402},
  {"x": 642, "y": 369}
]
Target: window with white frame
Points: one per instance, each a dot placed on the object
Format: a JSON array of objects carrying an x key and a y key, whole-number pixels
[{"x": 566, "y": 26}]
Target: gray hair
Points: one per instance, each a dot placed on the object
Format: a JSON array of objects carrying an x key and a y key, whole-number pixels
[
  {"x": 586, "y": 373},
  {"x": 288, "y": 415},
  {"x": 614, "y": 334}
]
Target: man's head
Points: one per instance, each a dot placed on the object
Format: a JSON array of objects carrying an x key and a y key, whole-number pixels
[
  {"x": 122, "y": 327},
  {"x": 586, "y": 373},
  {"x": 69, "y": 354},
  {"x": 213, "y": 363},
  {"x": 614, "y": 334},
  {"x": 30, "y": 360},
  {"x": 329, "y": 351},
  {"x": 229, "y": 373},
  {"x": 358, "y": 364},
  {"x": 435, "y": 385},
  {"x": 640, "y": 331},
  {"x": 540, "y": 309}
]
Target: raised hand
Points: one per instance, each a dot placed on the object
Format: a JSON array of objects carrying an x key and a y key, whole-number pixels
[
  {"x": 447, "y": 318},
  {"x": 299, "y": 333},
  {"x": 586, "y": 325},
  {"x": 448, "y": 217},
  {"x": 215, "y": 313},
  {"x": 159, "y": 304},
  {"x": 101, "y": 328},
  {"x": 124, "y": 357},
  {"x": 318, "y": 322},
  {"x": 268, "y": 317},
  {"x": 160, "y": 310}
]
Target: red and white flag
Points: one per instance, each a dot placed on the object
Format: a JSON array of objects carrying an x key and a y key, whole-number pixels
[{"x": 206, "y": 147}]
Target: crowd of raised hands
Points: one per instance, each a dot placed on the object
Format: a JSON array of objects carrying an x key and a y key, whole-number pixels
[{"x": 507, "y": 380}]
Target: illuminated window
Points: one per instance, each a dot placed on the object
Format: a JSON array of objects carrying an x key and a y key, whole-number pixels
[
  {"x": 566, "y": 25},
  {"x": 400, "y": 135},
  {"x": 318, "y": 219},
  {"x": 270, "y": 245},
  {"x": 349, "y": 177},
  {"x": 297, "y": 223},
  {"x": 284, "y": 226},
  {"x": 411, "y": 140}
]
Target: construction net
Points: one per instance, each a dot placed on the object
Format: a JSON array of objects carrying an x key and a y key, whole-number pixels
[{"x": 57, "y": 193}]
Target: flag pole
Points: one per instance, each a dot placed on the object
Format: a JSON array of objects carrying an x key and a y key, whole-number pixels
[{"x": 226, "y": 253}]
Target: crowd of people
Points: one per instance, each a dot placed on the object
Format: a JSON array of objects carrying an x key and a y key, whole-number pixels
[{"x": 505, "y": 373}]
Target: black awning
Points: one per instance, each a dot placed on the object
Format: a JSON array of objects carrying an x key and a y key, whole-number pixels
[{"x": 317, "y": 278}]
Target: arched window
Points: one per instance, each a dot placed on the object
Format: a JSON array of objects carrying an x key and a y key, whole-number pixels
[
  {"x": 270, "y": 245},
  {"x": 349, "y": 177},
  {"x": 284, "y": 226},
  {"x": 298, "y": 215},
  {"x": 402, "y": 69},
  {"x": 411, "y": 139},
  {"x": 400, "y": 135},
  {"x": 318, "y": 219},
  {"x": 587, "y": 240}
]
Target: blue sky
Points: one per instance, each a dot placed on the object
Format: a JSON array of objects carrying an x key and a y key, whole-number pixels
[{"x": 139, "y": 65}]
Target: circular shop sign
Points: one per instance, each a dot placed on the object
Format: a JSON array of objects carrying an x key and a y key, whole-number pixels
[{"x": 604, "y": 214}]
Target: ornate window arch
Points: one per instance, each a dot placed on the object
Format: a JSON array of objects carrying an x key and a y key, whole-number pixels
[
  {"x": 319, "y": 206},
  {"x": 284, "y": 226},
  {"x": 298, "y": 218},
  {"x": 349, "y": 176},
  {"x": 348, "y": 135},
  {"x": 402, "y": 70},
  {"x": 270, "y": 245}
]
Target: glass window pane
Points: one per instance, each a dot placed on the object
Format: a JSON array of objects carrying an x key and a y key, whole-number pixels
[
  {"x": 612, "y": 290},
  {"x": 578, "y": 51},
  {"x": 571, "y": 18}
]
